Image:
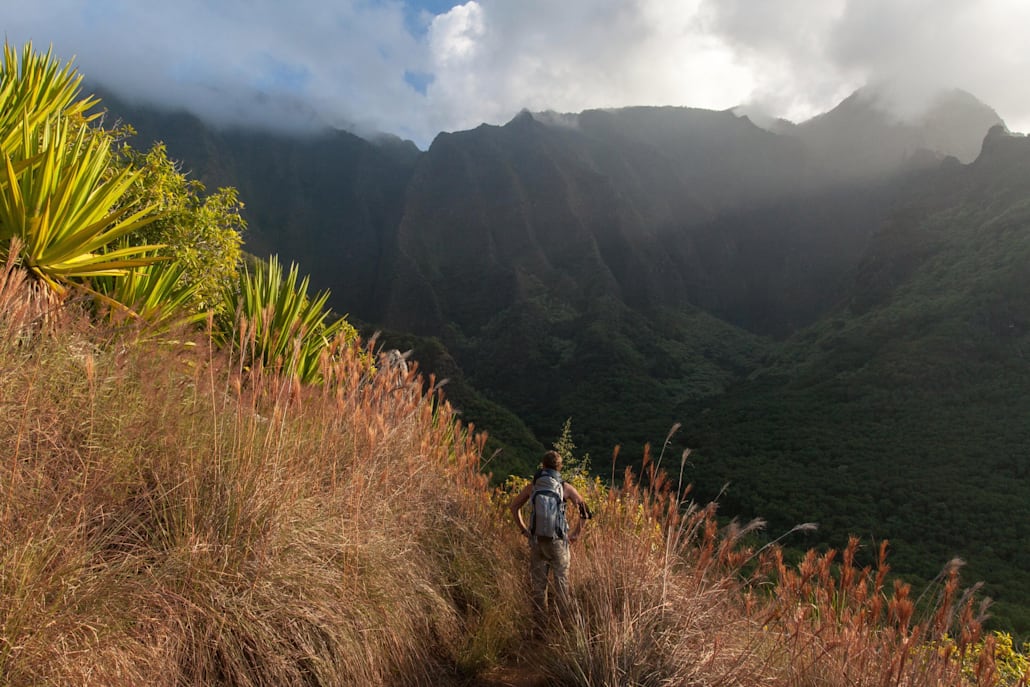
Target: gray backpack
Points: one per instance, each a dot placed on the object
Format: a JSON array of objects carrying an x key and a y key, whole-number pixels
[{"x": 548, "y": 502}]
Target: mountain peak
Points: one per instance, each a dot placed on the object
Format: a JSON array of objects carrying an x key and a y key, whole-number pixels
[
  {"x": 524, "y": 115},
  {"x": 875, "y": 131},
  {"x": 892, "y": 104}
]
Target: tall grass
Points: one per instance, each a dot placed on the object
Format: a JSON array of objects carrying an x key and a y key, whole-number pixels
[
  {"x": 168, "y": 518},
  {"x": 668, "y": 595}
]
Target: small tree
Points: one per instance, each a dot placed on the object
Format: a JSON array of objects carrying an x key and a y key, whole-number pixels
[
  {"x": 572, "y": 466},
  {"x": 202, "y": 233}
]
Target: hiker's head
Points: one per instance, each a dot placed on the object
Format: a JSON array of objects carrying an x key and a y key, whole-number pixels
[{"x": 552, "y": 460}]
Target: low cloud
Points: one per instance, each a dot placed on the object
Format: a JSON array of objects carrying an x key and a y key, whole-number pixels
[
  {"x": 492, "y": 58},
  {"x": 263, "y": 62},
  {"x": 806, "y": 56},
  {"x": 384, "y": 65}
]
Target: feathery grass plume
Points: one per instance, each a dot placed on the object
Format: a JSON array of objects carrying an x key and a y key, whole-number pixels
[
  {"x": 666, "y": 595},
  {"x": 831, "y": 622},
  {"x": 22, "y": 310}
]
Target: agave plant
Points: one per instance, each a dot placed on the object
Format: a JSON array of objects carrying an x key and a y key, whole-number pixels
[
  {"x": 276, "y": 322},
  {"x": 35, "y": 89},
  {"x": 158, "y": 295},
  {"x": 63, "y": 204},
  {"x": 59, "y": 193}
]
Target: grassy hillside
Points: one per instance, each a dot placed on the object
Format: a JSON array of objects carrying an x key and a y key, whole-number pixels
[
  {"x": 172, "y": 518},
  {"x": 168, "y": 519}
]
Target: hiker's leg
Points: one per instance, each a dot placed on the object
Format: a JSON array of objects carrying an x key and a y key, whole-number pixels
[
  {"x": 538, "y": 569},
  {"x": 560, "y": 558}
]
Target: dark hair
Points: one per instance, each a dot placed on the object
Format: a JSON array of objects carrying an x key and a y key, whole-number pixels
[{"x": 551, "y": 460}]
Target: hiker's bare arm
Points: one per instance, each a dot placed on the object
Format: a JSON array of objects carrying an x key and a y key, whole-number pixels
[
  {"x": 516, "y": 507},
  {"x": 572, "y": 495},
  {"x": 576, "y": 530}
]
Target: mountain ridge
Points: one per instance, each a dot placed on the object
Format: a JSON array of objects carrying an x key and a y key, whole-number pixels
[
  {"x": 901, "y": 414},
  {"x": 649, "y": 208}
]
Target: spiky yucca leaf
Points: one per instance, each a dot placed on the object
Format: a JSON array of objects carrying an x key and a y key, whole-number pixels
[
  {"x": 156, "y": 294},
  {"x": 62, "y": 205},
  {"x": 284, "y": 327},
  {"x": 34, "y": 89}
]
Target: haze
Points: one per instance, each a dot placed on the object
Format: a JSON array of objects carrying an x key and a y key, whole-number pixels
[{"x": 417, "y": 68}]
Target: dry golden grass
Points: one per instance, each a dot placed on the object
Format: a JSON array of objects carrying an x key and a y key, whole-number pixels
[{"x": 167, "y": 518}]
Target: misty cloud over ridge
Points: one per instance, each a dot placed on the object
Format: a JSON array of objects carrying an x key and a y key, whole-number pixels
[
  {"x": 390, "y": 66},
  {"x": 908, "y": 49}
]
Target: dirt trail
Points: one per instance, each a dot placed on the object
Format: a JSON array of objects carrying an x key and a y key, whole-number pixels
[{"x": 511, "y": 676}]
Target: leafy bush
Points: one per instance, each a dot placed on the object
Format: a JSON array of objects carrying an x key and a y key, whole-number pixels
[{"x": 201, "y": 232}]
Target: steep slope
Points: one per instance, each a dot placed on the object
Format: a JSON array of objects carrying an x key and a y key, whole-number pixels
[
  {"x": 590, "y": 209},
  {"x": 565, "y": 259},
  {"x": 330, "y": 202},
  {"x": 560, "y": 252},
  {"x": 556, "y": 262},
  {"x": 902, "y": 414}
]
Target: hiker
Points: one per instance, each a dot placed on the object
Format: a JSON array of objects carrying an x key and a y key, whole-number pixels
[{"x": 548, "y": 533}]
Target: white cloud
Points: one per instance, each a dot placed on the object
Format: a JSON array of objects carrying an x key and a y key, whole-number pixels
[
  {"x": 345, "y": 60},
  {"x": 492, "y": 58},
  {"x": 807, "y": 55},
  {"x": 354, "y": 61}
]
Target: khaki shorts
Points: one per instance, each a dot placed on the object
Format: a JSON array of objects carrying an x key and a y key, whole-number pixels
[{"x": 547, "y": 556}]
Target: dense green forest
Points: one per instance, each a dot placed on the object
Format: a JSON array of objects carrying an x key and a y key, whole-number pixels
[
  {"x": 903, "y": 413},
  {"x": 898, "y": 415}
]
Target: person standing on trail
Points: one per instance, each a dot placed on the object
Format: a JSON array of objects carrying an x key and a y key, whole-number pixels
[{"x": 548, "y": 531}]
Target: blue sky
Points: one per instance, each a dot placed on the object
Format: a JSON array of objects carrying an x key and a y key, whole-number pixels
[
  {"x": 432, "y": 6},
  {"x": 418, "y": 68}
]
